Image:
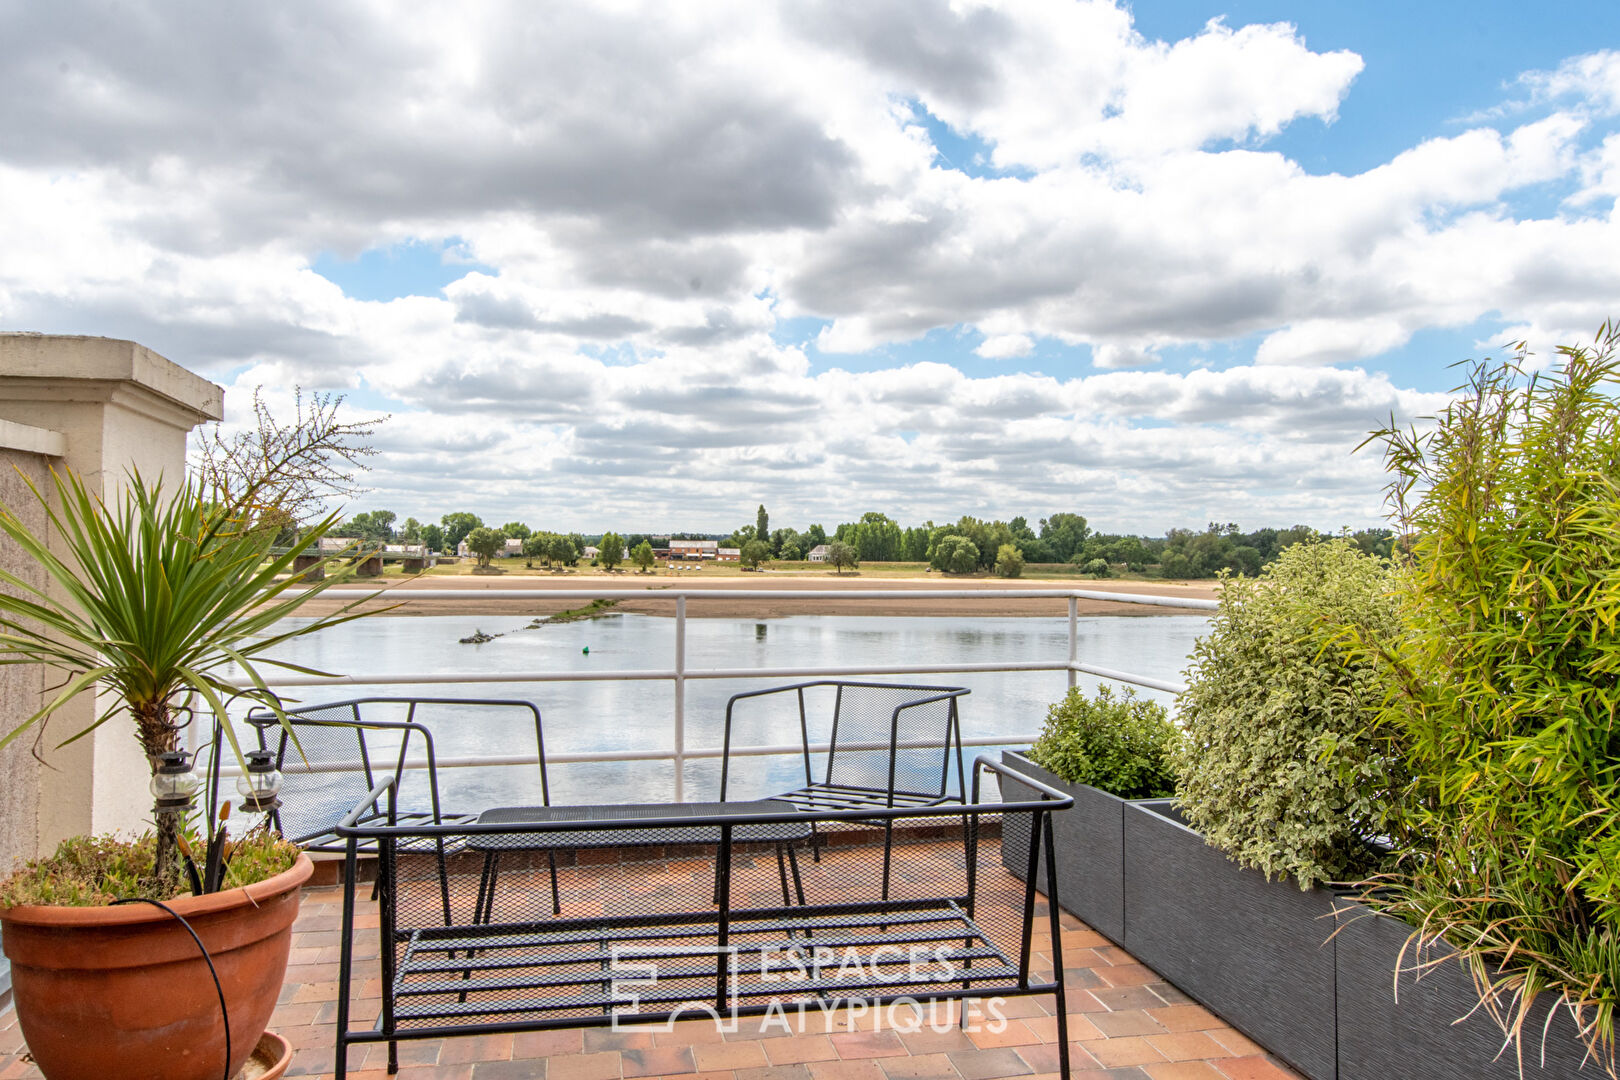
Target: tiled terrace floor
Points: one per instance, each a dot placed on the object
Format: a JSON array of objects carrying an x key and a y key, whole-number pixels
[{"x": 1125, "y": 1022}]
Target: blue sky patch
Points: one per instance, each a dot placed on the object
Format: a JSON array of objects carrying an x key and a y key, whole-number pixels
[{"x": 409, "y": 268}]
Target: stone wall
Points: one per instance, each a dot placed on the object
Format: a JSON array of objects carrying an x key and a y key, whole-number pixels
[
  {"x": 20, "y": 686},
  {"x": 101, "y": 407}
]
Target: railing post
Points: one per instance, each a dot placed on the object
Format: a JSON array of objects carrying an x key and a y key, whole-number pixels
[
  {"x": 1074, "y": 637},
  {"x": 680, "y": 699}
]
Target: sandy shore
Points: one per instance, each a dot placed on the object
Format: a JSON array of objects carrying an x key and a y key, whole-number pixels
[{"x": 843, "y": 596}]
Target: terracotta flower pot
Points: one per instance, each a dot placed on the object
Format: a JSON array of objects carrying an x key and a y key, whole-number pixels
[{"x": 123, "y": 991}]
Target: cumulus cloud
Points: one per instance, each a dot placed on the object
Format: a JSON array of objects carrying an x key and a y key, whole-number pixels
[{"x": 647, "y": 196}]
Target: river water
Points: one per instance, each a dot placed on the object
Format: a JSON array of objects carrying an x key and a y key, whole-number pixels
[{"x": 639, "y": 715}]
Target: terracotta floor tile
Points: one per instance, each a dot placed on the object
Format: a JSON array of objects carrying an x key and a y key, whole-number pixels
[
  {"x": 1132, "y": 1050},
  {"x": 800, "y": 1049},
  {"x": 600, "y": 1066},
  {"x": 1186, "y": 1018},
  {"x": 1239, "y": 1044},
  {"x": 1012, "y": 1033},
  {"x": 1184, "y": 1070},
  {"x": 657, "y": 1061},
  {"x": 1126, "y": 1022},
  {"x": 773, "y": 1072},
  {"x": 1189, "y": 1046},
  {"x": 845, "y": 1070},
  {"x": 476, "y": 1048},
  {"x": 988, "y": 1064},
  {"x": 539, "y": 1044},
  {"x": 926, "y": 1067},
  {"x": 867, "y": 1044},
  {"x": 1254, "y": 1068},
  {"x": 737, "y": 1055}
]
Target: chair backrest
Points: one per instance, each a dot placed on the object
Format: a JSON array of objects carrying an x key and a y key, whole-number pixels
[
  {"x": 335, "y": 754},
  {"x": 891, "y": 717},
  {"x": 330, "y": 761}
]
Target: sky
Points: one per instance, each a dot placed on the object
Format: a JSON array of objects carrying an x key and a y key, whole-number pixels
[{"x": 644, "y": 267}]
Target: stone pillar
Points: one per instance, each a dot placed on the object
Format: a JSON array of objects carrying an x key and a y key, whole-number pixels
[{"x": 99, "y": 406}]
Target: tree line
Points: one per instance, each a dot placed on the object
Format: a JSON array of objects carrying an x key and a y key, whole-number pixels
[{"x": 966, "y": 546}]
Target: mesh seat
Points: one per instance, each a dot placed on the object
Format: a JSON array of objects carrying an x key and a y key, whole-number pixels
[{"x": 888, "y": 746}]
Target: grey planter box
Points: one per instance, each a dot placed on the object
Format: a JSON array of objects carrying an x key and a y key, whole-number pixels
[
  {"x": 1090, "y": 840},
  {"x": 1380, "y": 1037},
  {"x": 1256, "y": 952}
]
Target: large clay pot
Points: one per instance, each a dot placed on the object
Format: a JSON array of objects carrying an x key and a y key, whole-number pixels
[{"x": 123, "y": 991}]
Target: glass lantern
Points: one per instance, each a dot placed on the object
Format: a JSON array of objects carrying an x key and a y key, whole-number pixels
[
  {"x": 174, "y": 783},
  {"x": 260, "y": 784}
]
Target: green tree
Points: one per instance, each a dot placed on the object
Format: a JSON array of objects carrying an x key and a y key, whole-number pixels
[
  {"x": 643, "y": 556},
  {"x": 762, "y": 524},
  {"x": 1064, "y": 534},
  {"x": 755, "y": 552},
  {"x": 814, "y": 537},
  {"x": 790, "y": 553},
  {"x": 485, "y": 542},
  {"x": 411, "y": 531},
  {"x": 433, "y": 537},
  {"x": 841, "y": 555},
  {"x": 1009, "y": 561},
  {"x": 958, "y": 555},
  {"x": 562, "y": 551},
  {"x": 457, "y": 526},
  {"x": 611, "y": 550},
  {"x": 516, "y": 530},
  {"x": 538, "y": 546},
  {"x": 377, "y": 526}
]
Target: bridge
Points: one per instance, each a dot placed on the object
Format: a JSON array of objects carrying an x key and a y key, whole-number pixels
[{"x": 367, "y": 557}]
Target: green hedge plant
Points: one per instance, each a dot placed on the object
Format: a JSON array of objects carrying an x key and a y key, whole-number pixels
[
  {"x": 1122, "y": 745},
  {"x": 1280, "y": 766},
  {"x": 1509, "y": 687}
]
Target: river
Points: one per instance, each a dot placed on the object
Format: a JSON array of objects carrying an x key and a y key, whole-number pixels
[{"x": 638, "y": 715}]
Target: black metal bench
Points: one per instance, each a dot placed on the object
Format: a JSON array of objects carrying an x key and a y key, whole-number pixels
[{"x": 697, "y": 925}]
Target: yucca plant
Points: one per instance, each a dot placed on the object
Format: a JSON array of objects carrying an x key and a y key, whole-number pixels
[{"x": 154, "y": 600}]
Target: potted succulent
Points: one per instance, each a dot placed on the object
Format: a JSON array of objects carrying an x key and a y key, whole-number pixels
[
  {"x": 1102, "y": 751},
  {"x": 152, "y": 602}
]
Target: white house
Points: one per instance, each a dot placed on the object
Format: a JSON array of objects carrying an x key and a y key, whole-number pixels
[
  {"x": 514, "y": 547},
  {"x": 694, "y": 549},
  {"x": 818, "y": 553}
]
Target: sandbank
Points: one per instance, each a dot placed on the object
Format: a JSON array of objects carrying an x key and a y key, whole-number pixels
[{"x": 843, "y": 595}]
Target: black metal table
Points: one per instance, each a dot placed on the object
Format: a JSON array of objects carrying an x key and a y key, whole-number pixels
[{"x": 783, "y": 834}]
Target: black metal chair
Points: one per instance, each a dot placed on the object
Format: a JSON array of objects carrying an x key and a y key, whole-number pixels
[
  {"x": 332, "y": 755},
  {"x": 889, "y": 746}
]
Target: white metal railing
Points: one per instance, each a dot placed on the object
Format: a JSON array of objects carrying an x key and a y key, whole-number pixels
[{"x": 679, "y": 673}]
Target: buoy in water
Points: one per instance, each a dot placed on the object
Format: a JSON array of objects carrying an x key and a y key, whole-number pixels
[{"x": 586, "y": 650}]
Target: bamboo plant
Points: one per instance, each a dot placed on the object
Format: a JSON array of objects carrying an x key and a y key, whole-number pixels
[{"x": 155, "y": 600}]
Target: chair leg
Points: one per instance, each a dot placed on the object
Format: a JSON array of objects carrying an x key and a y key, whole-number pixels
[
  {"x": 793, "y": 863},
  {"x": 556, "y": 897},
  {"x": 781, "y": 870}
]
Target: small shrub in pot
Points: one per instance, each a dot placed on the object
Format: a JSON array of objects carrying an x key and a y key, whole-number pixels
[
  {"x": 1281, "y": 766},
  {"x": 1120, "y": 744}
]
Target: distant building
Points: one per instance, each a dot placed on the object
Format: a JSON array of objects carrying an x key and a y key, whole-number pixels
[
  {"x": 514, "y": 547},
  {"x": 728, "y": 554},
  {"x": 694, "y": 549},
  {"x": 818, "y": 553},
  {"x": 592, "y": 551}
]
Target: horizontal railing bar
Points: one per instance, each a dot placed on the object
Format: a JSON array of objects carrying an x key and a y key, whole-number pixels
[
  {"x": 647, "y": 755},
  {"x": 464, "y": 677},
  {"x": 791, "y": 594}
]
